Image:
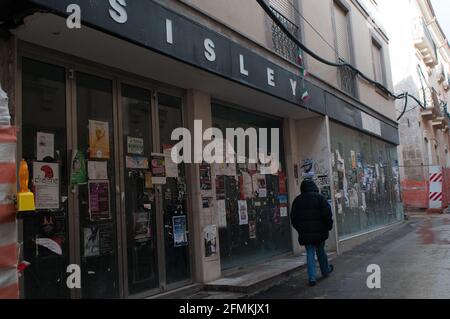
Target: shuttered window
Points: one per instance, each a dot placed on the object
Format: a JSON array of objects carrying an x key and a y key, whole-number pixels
[
  {"x": 377, "y": 59},
  {"x": 342, "y": 35},
  {"x": 285, "y": 7}
]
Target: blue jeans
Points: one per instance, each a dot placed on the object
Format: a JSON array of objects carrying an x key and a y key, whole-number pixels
[{"x": 322, "y": 257}]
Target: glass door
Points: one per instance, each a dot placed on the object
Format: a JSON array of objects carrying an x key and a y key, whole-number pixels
[
  {"x": 174, "y": 200},
  {"x": 44, "y": 147},
  {"x": 139, "y": 208},
  {"x": 93, "y": 170}
]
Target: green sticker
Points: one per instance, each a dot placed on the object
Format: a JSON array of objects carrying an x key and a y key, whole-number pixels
[{"x": 79, "y": 175}]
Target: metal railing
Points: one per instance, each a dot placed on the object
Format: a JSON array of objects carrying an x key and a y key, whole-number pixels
[
  {"x": 347, "y": 80},
  {"x": 281, "y": 43}
]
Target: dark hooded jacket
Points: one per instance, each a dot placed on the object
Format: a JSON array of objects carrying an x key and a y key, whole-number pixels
[{"x": 311, "y": 215}]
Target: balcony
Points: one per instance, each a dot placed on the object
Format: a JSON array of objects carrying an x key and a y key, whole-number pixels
[
  {"x": 281, "y": 43},
  {"x": 424, "y": 43},
  {"x": 428, "y": 114},
  {"x": 439, "y": 123}
]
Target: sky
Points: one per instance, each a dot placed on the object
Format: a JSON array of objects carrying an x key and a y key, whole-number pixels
[{"x": 442, "y": 10}]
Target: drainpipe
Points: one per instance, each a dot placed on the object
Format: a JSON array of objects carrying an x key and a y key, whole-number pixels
[{"x": 9, "y": 287}]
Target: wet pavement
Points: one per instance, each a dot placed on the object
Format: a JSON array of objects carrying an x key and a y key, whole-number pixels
[{"x": 414, "y": 261}]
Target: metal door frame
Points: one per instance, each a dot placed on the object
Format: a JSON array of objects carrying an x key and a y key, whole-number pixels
[{"x": 73, "y": 65}]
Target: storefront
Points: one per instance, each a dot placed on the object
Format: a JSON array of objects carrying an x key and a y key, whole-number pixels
[
  {"x": 366, "y": 181},
  {"x": 110, "y": 210},
  {"x": 96, "y": 123},
  {"x": 265, "y": 231}
]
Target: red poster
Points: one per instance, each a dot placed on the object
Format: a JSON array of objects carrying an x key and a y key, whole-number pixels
[{"x": 282, "y": 179}]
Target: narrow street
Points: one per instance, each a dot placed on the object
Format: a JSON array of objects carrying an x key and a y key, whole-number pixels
[{"x": 414, "y": 261}]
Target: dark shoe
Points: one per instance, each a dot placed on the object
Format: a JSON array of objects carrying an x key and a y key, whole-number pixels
[
  {"x": 331, "y": 267},
  {"x": 312, "y": 283}
]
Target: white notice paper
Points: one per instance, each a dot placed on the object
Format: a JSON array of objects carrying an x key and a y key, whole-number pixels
[
  {"x": 222, "y": 213},
  {"x": 97, "y": 170},
  {"x": 243, "y": 215},
  {"x": 45, "y": 146},
  {"x": 46, "y": 185},
  {"x": 171, "y": 166}
]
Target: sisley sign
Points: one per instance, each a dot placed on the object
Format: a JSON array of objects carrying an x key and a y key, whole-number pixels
[{"x": 151, "y": 25}]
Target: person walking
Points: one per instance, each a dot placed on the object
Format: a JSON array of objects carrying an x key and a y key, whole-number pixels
[{"x": 312, "y": 218}]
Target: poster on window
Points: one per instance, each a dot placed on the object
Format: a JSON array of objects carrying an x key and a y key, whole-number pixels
[
  {"x": 245, "y": 186},
  {"x": 45, "y": 146},
  {"x": 353, "y": 159},
  {"x": 97, "y": 170},
  {"x": 261, "y": 186},
  {"x": 142, "y": 230},
  {"x": 210, "y": 238},
  {"x": 307, "y": 167},
  {"x": 282, "y": 178},
  {"x": 222, "y": 213},
  {"x": 179, "y": 231},
  {"x": 205, "y": 176},
  {"x": 135, "y": 145},
  {"x": 252, "y": 229},
  {"x": 99, "y": 140},
  {"x": 91, "y": 241},
  {"x": 136, "y": 162},
  {"x": 46, "y": 185},
  {"x": 99, "y": 200},
  {"x": 220, "y": 187},
  {"x": 171, "y": 166},
  {"x": 78, "y": 174},
  {"x": 158, "y": 168},
  {"x": 283, "y": 211},
  {"x": 98, "y": 240},
  {"x": 243, "y": 213}
]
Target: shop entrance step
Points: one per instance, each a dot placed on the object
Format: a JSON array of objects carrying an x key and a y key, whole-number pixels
[{"x": 252, "y": 279}]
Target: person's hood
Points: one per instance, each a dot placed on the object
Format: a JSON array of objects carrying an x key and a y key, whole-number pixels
[{"x": 308, "y": 186}]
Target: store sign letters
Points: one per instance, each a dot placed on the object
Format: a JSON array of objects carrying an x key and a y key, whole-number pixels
[
  {"x": 177, "y": 36},
  {"x": 153, "y": 26}
]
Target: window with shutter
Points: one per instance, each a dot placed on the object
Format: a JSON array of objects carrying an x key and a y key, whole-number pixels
[
  {"x": 285, "y": 7},
  {"x": 341, "y": 23},
  {"x": 342, "y": 36},
  {"x": 377, "y": 60}
]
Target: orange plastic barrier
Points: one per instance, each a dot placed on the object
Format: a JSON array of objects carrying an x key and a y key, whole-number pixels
[{"x": 415, "y": 193}]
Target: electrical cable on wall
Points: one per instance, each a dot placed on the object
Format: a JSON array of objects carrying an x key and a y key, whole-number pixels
[{"x": 311, "y": 53}]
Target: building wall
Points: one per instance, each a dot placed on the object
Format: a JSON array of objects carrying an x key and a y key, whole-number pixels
[
  {"x": 234, "y": 13},
  {"x": 317, "y": 33},
  {"x": 421, "y": 143}
]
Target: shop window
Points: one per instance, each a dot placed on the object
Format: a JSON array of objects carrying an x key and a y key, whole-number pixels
[
  {"x": 44, "y": 145},
  {"x": 366, "y": 181},
  {"x": 96, "y": 196},
  {"x": 140, "y": 210},
  {"x": 377, "y": 62},
  {"x": 252, "y": 208},
  {"x": 174, "y": 201}
]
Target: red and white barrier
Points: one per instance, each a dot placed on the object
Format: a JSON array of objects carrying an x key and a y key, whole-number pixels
[
  {"x": 435, "y": 193},
  {"x": 9, "y": 287}
]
